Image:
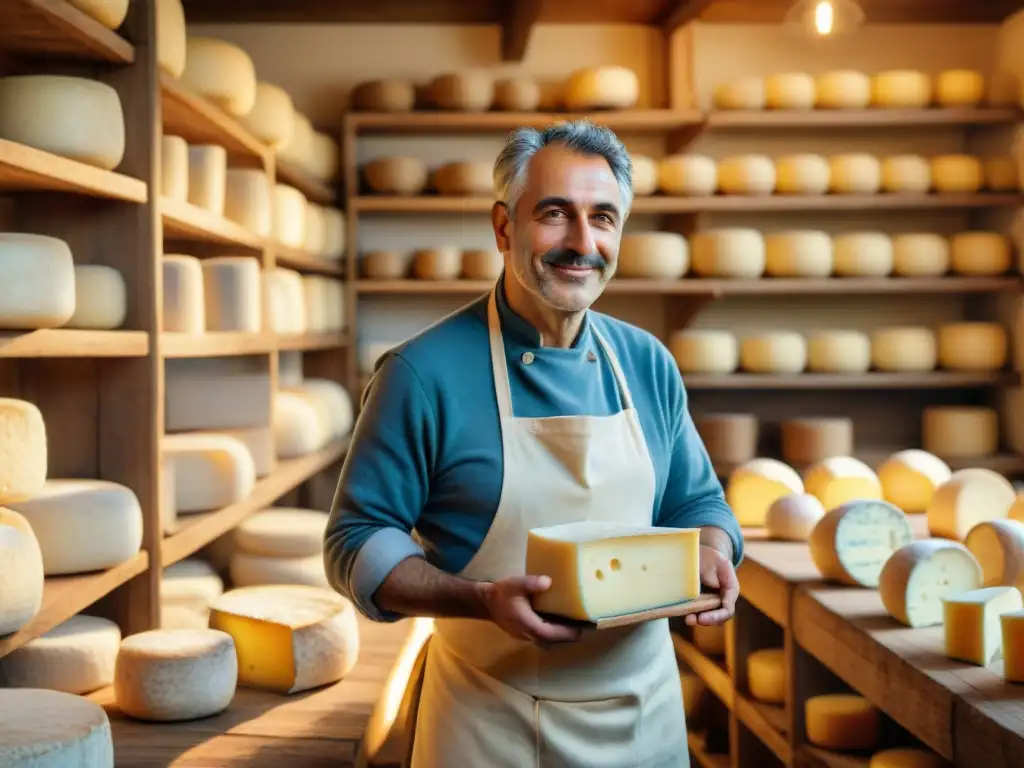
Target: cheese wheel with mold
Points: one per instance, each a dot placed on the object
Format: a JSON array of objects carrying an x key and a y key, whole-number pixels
[
  {"x": 729, "y": 438},
  {"x": 462, "y": 91},
  {"x": 687, "y": 174},
  {"x": 101, "y": 298},
  {"x": 746, "y": 175},
  {"x": 999, "y": 547},
  {"x": 21, "y": 569},
  {"x": 1002, "y": 174},
  {"x": 730, "y": 252},
  {"x": 774, "y": 352},
  {"x": 838, "y": 351},
  {"x": 854, "y": 174},
  {"x": 802, "y": 174},
  {"x": 841, "y": 479},
  {"x": 789, "y": 90},
  {"x": 444, "y": 263},
  {"x": 957, "y": 173},
  {"x": 862, "y": 254},
  {"x": 969, "y": 497},
  {"x": 52, "y": 729},
  {"x": 916, "y": 578},
  {"x": 645, "y": 175},
  {"x": 852, "y": 542},
  {"x": 793, "y": 517},
  {"x": 464, "y": 179},
  {"x": 906, "y": 173},
  {"x": 743, "y": 93},
  {"x": 171, "y": 37},
  {"x": 901, "y": 89},
  {"x": 704, "y": 351},
  {"x": 811, "y": 440},
  {"x": 222, "y": 72},
  {"x": 385, "y": 265},
  {"x": 798, "y": 253},
  {"x": 753, "y": 487},
  {"x": 388, "y": 95},
  {"x": 904, "y": 348},
  {"x": 910, "y": 478},
  {"x": 655, "y": 255},
  {"x": 517, "y": 94},
  {"x": 482, "y": 264},
  {"x": 37, "y": 281},
  {"x": 272, "y": 118},
  {"x": 842, "y": 89},
  {"x": 396, "y": 175},
  {"x": 606, "y": 87},
  {"x": 973, "y": 346},
  {"x": 76, "y": 656},
  {"x": 960, "y": 431},
  {"x": 980, "y": 253},
  {"x": 959, "y": 88},
  {"x": 920, "y": 254},
  {"x": 174, "y": 168}
]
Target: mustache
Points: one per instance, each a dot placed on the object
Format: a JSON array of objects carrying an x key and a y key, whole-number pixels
[{"x": 570, "y": 258}]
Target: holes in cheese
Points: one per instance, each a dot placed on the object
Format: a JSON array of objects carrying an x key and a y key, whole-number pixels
[
  {"x": 645, "y": 175},
  {"x": 789, "y": 90},
  {"x": 901, "y": 88},
  {"x": 973, "y": 625},
  {"x": 654, "y": 255},
  {"x": 774, "y": 352},
  {"x": 841, "y": 721},
  {"x": 840, "y": 479},
  {"x": 272, "y": 117},
  {"x": 906, "y": 757},
  {"x": 481, "y": 264},
  {"x": 247, "y": 199},
  {"x": 101, "y": 298},
  {"x": 601, "y": 88},
  {"x": 468, "y": 91},
  {"x": 766, "y": 675},
  {"x": 222, "y": 72},
  {"x": 753, "y": 487},
  {"x": 973, "y": 346},
  {"x": 207, "y": 177},
  {"x": 37, "y": 281},
  {"x": 919, "y": 574},
  {"x": 811, "y": 440},
  {"x": 854, "y": 174},
  {"x": 396, "y": 175},
  {"x": 517, "y": 94},
  {"x": 746, "y": 175},
  {"x": 299, "y": 426},
  {"x": 210, "y": 471},
  {"x": 282, "y": 532},
  {"x": 852, "y": 542},
  {"x": 798, "y": 253},
  {"x": 289, "y": 216},
  {"x": 863, "y": 254},
  {"x": 441, "y": 263},
  {"x": 21, "y": 572},
  {"x": 23, "y": 451},
  {"x": 980, "y": 253},
  {"x": 793, "y": 517},
  {"x": 904, "y": 348},
  {"x": 465, "y": 178},
  {"x": 693, "y": 692},
  {"x": 286, "y": 300},
  {"x": 697, "y": 351},
  {"x": 288, "y": 638},
  {"x": 248, "y": 570},
  {"x": 999, "y": 547},
  {"x": 51, "y": 729},
  {"x": 600, "y": 569},
  {"x": 802, "y": 174},
  {"x": 76, "y": 656},
  {"x": 910, "y": 478},
  {"x": 960, "y": 431},
  {"x": 838, "y": 351},
  {"x": 168, "y": 675},
  {"x": 233, "y": 294},
  {"x": 959, "y": 88},
  {"x": 190, "y": 583},
  {"x": 906, "y": 173},
  {"x": 743, "y": 93},
  {"x": 728, "y": 252},
  {"x": 1012, "y": 631},
  {"x": 216, "y": 393},
  {"x": 957, "y": 173},
  {"x": 174, "y": 168},
  {"x": 843, "y": 89},
  {"x": 920, "y": 254},
  {"x": 184, "y": 305},
  {"x": 969, "y": 497},
  {"x": 729, "y": 438},
  {"x": 170, "y": 37},
  {"x": 687, "y": 174},
  {"x": 390, "y": 95}
]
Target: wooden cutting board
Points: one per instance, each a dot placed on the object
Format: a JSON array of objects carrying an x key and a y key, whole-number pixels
[{"x": 699, "y": 604}]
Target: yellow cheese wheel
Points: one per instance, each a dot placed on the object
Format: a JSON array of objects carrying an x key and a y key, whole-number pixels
[
  {"x": 222, "y": 72},
  {"x": 645, "y": 175},
  {"x": 704, "y": 351},
  {"x": 602, "y": 88},
  {"x": 469, "y": 178},
  {"x": 959, "y": 88},
  {"x": 855, "y": 174},
  {"x": 744, "y": 93},
  {"x": 904, "y": 348},
  {"x": 841, "y": 721},
  {"x": 687, "y": 174},
  {"x": 517, "y": 94},
  {"x": 862, "y": 254},
  {"x": 906, "y": 757},
  {"x": 693, "y": 691},
  {"x": 734, "y": 252},
  {"x": 812, "y": 440},
  {"x": 390, "y": 95},
  {"x": 729, "y": 438},
  {"x": 712, "y": 640},
  {"x": 396, "y": 175},
  {"x": 789, "y": 90},
  {"x": 968, "y": 497},
  {"x": 170, "y": 37},
  {"x": 920, "y": 254},
  {"x": 444, "y": 263},
  {"x": 906, "y": 173},
  {"x": 980, "y": 253},
  {"x": 838, "y": 351},
  {"x": 469, "y": 91},
  {"x": 972, "y": 346},
  {"x": 910, "y": 478},
  {"x": 774, "y": 352},
  {"x": 901, "y": 88},
  {"x": 753, "y": 487},
  {"x": 843, "y": 89},
  {"x": 272, "y": 118},
  {"x": 746, "y": 175},
  {"x": 802, "y": 174},
  {"x": 766, "y": 675},
  {"x": 798, "y": 253},
  {"x": 654, "y": 255},
  {"x": 960, "y": 431},
  {"x": 482, "y": 264},
  {"x": 957, "y": 173},
  {"x": 840, "y": 479}
]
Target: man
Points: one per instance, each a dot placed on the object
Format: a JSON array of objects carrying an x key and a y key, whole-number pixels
[{"x": 527, "y": 409}]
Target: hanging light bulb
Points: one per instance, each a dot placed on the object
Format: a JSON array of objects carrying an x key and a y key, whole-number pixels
[{"x": 824, "y": 18}]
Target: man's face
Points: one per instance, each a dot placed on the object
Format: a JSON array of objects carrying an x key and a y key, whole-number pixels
[{"x": 563, "y": 243}]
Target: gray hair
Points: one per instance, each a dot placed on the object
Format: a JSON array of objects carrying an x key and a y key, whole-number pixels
[{"x": 580, "y": 136}]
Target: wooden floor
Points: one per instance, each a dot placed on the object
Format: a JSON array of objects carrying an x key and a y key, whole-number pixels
[{"x": 306, "y": 730}]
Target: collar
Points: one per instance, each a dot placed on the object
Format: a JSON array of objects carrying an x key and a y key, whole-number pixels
[{"x": 522, "y": 332}]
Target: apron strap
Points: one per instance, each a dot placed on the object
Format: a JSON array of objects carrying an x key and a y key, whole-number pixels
[{"x": 620, "y": 376}]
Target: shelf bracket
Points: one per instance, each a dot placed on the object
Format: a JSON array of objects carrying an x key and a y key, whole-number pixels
[
  {"x": 683, "y": 13},
  {"x": 517, "y": 27}
]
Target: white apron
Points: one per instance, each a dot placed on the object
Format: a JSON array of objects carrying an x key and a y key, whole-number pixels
[{"x": 611, "y": 700}]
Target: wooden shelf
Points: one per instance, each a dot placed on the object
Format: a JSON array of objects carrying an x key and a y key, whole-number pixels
[
  {"x": 808, "y": 756},
  {"x": 767, "y": 722},
  {"x": 215, "y": 344},
  {"x": 308, "y": 342},
  {"x": 860, "y": 118},
  {"x": 870, "y": 380},
  {"x": 198, "y": 121},
  {"x": 57, "y": 29},
  {"x": 423, "y": 122},
  {"x": 315, "y": 190},
  {"x": 302, "y": 261},
  {"x": 194, "y": 531},
  {"x": 698, "y": 745},
  {"x": 184, "y": 221},
  {"x": 714, "y": 675},
  {"x": 59, "y": 342},
  {"x": 24, "y": 168},
  {"x": 65, "y": 596}
]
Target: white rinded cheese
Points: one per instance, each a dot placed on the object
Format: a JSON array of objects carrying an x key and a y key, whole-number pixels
[
  {"x": 798, "y": 253},
  {"x": 517, "y": 94},
  {"x": 698, "y": 351},
  {"x": 260, "y": 442},
  {"x": 919, "y": 574},
  {"x": 853, "y": 541},
  {"x": 174, "y": 168},
  {"x": 211, "y": 471},
  {"x": 298, "y": 426},
  {"x": 729, "y": 438},
  {"x": 463, "y": 178},
  {"x": 38, "y": 110},
  {"x": 391, "y": 95},
  {"x": 732, "y": 252},
  {"x": 906, "y": 757},
  {"x": 774, "y": 352},
  {"x": 101, "y": 298},
  {"x": 170, "y": 37},
  {"x": 959, "y": 88},
  {"x": 645, "y": 175},
  {"x": 247, "y": 199},
  {"x": 233, "y": 294},
  {"x": 222, "y": 72},
  {"x": 272, "y": 117},
  {"x": 51, "y": 729},
  {"x": 973, "y": 346},
  {"x": 855, "y": 174},
  {"x": 248, "y": 570},
  {"x": 334, "y": 233},
  {"x": 656, "y": 255},
  {"x": 481, "y": 264},
  {"x": 314, "y": 228},
  {"x": 766, "y": 675},
  {"x": 960, "y": 430},
  {"x": 863, "y": 254},
  {"x": 906, "y": 173},
  {"x": 901, "y": 88},
  {"x": 687, "y": 174},
  {"x": 999, "y": 547},
  {"x": 789, "y": 90},
  {"x": 744, "y": 93},
  {"x": 282, "y": 532},
  {"x": 838, "y": 351},
  {"x": 793, "y": 517},
  {"x": 973, "y": 624},
  {"x": 920, "y": 254},
  {"x": 969, "y": 497},
  {"x": 1002, "y": 174},
  {"x": 601, "y": 88},
  {"x": 746, "y": 175},
  {"x": 190, "y": 583},
  {"x": 334, "y": 399},
  {"x": 812, "y": 440},
  {"x": 184, "y": 305},
  {"x": 910, "y": 478},
  {"x": 286, "y": 300},
  {"x": 179, "y": 617},
  {"x": 76, "y": 656},
  {"x": 67, "y": 512},
  {"x": 957, "y": 173},
  {"x": 23, "y": 450},
  {"x": 289, "y": 216},
  {"x": 843, "y": 89},
  {"x": 37, "y": 281},
  {"x": 803, "y": 174},
  {"x": 841, "y": 479},
  {"x": 207, "y": 177},
  {"x": 288, "y": 638},
  {"x": 841, "y": 721},
  {"x": 216, "y": 393},
  {"x": 396, "y": 175},
  {"x": 980, "y": 253},
  {"x": 441, "y": 263},
  {"x": 299, "y": 147},
  {"x": 904, "y": 348},
  {"x": 753, "y": 487},
  {"x": 315, "y": 299},
  {"x": 110, "y": 13},
  {"x": 466, "y": 91},
  {"x": 21, "y": 573},
  {"x": 168, "y": 675}
]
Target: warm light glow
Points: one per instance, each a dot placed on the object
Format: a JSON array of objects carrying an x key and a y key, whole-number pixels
[
  {"x": 824, "y": 20},
  {"x": 824, "y": 17}
]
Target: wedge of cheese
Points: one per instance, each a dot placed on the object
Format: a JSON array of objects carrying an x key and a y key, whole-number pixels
[{"x": 973, "y": 623}]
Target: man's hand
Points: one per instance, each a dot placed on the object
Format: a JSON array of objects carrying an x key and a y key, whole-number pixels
[
  {"x": 716, "y": 572},
  {"x": 508, "y": 603}
]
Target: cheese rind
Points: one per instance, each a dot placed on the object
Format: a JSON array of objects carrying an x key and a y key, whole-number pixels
[
  {"x": 77, "y": 656},
  {"x": 191, "y": 582},
  {"x": 973, "y": 625},
  {"x": 101, "y": 298},
  {"x": 919, "y": 574},
  {"x": 766, "y": 675},
  {"x": 756, "y": 485},
  {"x": 184, "y": 305},
  {"x": 746, "y": 175},
  {"x": 300, "y": 426},
  {"x": 906, "y": 757},
  {"x": 52, "y": 729},
  {"x": 21, "y": 573},
  {"x": 656, "y": 255},
  {"x": 841, "y": 479},
  {"x": 812, "y": 440},
  {"x": 233, "y": 294},
  {"x": 904, "y": 348},
  {"x": 248, "y": 199},
  {"x": 969, "y": 497},
  {"x": 852, "y": 542},
  {"x": 687, "y": 174},
  {"x": 282, "y": 532},
  {"x": 798, "y": 253},
  {"x": 841, "y": 721},
  {"x": 37, "y": 282},
  {"x": 272, "y": 116},
  {"x": 793, "y": 517},
  {"x": 1012, "y": 626},
  {"x": 704, "y": 351},
  {"x": 774, "y": 352},
  {"x": 909, "y": 479},
  {"x": 960, "y": 430},
  {"x": 248, "y": 570},
  {"x": 999, "y": 547},
  {"x": 600, "y": 569},
  {"x": 23, "y": 450},
  {"x": 211, "y": 471}
]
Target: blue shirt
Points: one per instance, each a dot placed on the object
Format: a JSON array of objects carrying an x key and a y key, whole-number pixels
[{"x": 426, "y": 453}]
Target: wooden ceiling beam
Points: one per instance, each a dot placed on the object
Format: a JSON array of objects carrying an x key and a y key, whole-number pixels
[
  {"x": 683, "y": 13},
  {"x": 517, "y": 28}
]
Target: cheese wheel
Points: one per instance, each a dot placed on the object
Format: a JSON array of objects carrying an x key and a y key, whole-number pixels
[
  {"x": 444, "y": 263},
  {"x": 789, "y": 90},
  {"x": 286, "y": 300},
  {"x": 841, "y": 479},
  {"x": 207, "y": 177},
  {"x": 812, "y": 440},
  {"x": 24, "y": 448},
  {"x": 793, "y": 517},
  {"x": 336, "y": 401},
  {"x": 110, "y": 13},
  {"x": 463, "y": 179},
  {"x": 1001, "y": 174},
  {"x": 314, "y": 240},
  {"x": 689, "y": 174},
  {"x": 729, "y": 438},
  {"x": 906, "y": 757},
  {"x": 272, "y": 118},
  {"x": 21, "y": 573},
  {"x": 605, "y": 87},
  {"x": 843, "y": 89},
  {"x": 168, "y": 675},
  {"x": 323, "y": 157},
  {"x": 753, "y": 487},
  {"x": 260, "y": 442},
  {"x": 170, "y": 37},
  {"x": 852, "y": 542},
  {"x": 396, "y": 175},
  {"x": 746, "y": 175},
  {"x": 980, "y": 253},
  {"x": 191, "y": 583},
  {"x": 910, "y": 478},
  {"x": 802, "y": 174},
  {"x": 798, "y": 253},
  {"x": 774, "y": 352},
  {"x": 655, "y": 255},
  {"x": 247, "y": 199},
  {"x": 841, "y": 721},
  {"x": 289, "y": 216},
  {"x": 645, "y": 175},
  {"x": 211, "y": 471},
  {"x": 177, "y": 617},
  {"x": 838, "y": 351},
  {"x": 222, "y": 72},
  {"x": 969, "y": 497},
  {"x": 960, "y": 431},
  {"x": 901, "y": 88},
  {"x": 37, "y": 282},
  {"x": 906, "y": 173},
  {"x": 249, "y": 570},
  {"x": 334, "y": 233},
  {"x": 862, "y": 254},
  {"x": 517, "y": 94},
  {"x": 233, "y": 294},
  {"x": 101, "y": 298},
  {"x": 920, "y": 254},
  {"x": 766, "y": 675},
  {"x": 700, "y": 351},
  {"x": 462, "y": 91},
  {"x": 919, "y": 574},
  {"x": 315, "y": 291},
  {"x": 282, "y": 532},
  {"x": 299, "y": 148},
  {"x": 999, "y": 547},
  {"x": 390, "y": 95},
  {"x": 972, "y": 346},
  {"x": 51, "y": 729},
  {"x": 744, "y": 93},
  {"x": 481, "y": 264},
  {"x": 184, "y": 305},
  {"x": 37, "y": 110},
  {"x": 959, "y": 88},
  {"x": 904, "y": 348},
  {"x": 174, "y": 168},
  {"x": 711, "y": 639},
  {"x": 298, "y": 425},
  {"x": 385, "y": 265},
  {"x": 855, "y": 174},
  {"x": 734, "y": 252},
  {"x": 957, "y": 173},
  {"x": 77, "y": 656}
]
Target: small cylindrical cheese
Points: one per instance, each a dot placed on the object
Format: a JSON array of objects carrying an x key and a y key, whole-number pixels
[
  {"x": 654, "y": 255},
  {"x": 904, "y": 348},
  {"x": 606, "y": 87},
  {"x": 390, "y": 95},
  {"x": 272, "y": 118},
  {"x": 774, "y": 352},
  {"x": 744, "y": 93},
  {"x": 959, "y": 88},
  {"x": 957, "y": 173},
  {"x": 207, "y": 177},
  {"x": 838, "y": 351},
  {"x": 980, "y": 253},
  {"x": 906, "y": 173},
  {"x": 920, "y": 254},
  {"x": 855, "y": 174},
  {"x": 789, "y": 90},
  {"x": 802, "y": 174},
  {"x": 469, "y": 178},
  {"x": 960, "y": 431},
  {"x": 645, "y": 175},
  {"x": 972, "y": 346},
  {"x": 999, "y": 547},
  {"x": 798, "y": 253},
  {"x": 729, "y": 438},
  {"x": 385, "y": 265},
  {"x": 687, "y": 174},
  {"x": 1002, "y": 174},
  {"x": 444, "y": 263},
  {"x": 101, "y": 298},
  {"x": 174, "y": 168},
  {"x": 793, "y": 517},
  {"x": 969, "y": 497},
  {"x": 746, "y": 175},
  {"x": 753, "y": 487},
  {"x": 482, "y": 264},
  {"x": 843, "y": 89},
  {"x": 699, "y": 351},
  {"x": 909, "y": 479},
  {"x": 766, "y": 675},
  {"x": 901, "y": 88},
  {"x": 184, "y": 305},
  {"x": 247, "y": 199},
  {"x": 396, "y": 175},
  {"x": 233, "y": 294},
  {"x": 222, "y": 72},
  {"x": 841, "y": 479},
  {"x": 862, "y": 254},
  {"x": 37, "y": 282},
  {"x": 733, "y": 252},
  {"x": 517, "y": 94},
  {"x": 812, "y": 440},
  {"x": 289, "y": 216}
]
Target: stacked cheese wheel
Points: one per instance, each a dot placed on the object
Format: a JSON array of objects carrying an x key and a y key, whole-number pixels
[
  {"x": 280, "y": 546},
  {"x": 187, "y": 588},
  {"x": 446, "y": 262}
]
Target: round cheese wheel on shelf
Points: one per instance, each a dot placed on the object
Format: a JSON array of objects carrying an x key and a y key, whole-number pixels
[
  {"x": 645, "y": 175},
  {"x": 854, "y": 174},
  {"x": 174, "y": 168},
  {"x": 171, "y": 37},
  {"x": 37, "y": 282},
  {"x": 23, "y": 444},
  {"x": 38, "y": 110},
  {"x": 286, "y": 300},
  {"x": 910, "y": 478},
  {"x": 517, "y": 94},
  {"x": 482, "y": 264},
  {"x": 192, "y": 583},
  {"x": 462, "y": 91},
  {"x": 744, "y": 93},
  {"x": 862, "y": 254},
  {"x": 184, "y": 306},
  {"x": 980, "y": 253},
  {"x": 812, "y": 440},
  {"x": 957, "y": 173},
  {"x": 233, "y": 294},
  {"x": 601, "y": 88},
  {"x": 901, "y": 88},
  {"x": 789, "y": 90},
  {"x": 249, "y": 570},
  {"x": 76, "y": 656},
  {"x": 300, "y": 427},
  {"x": 390, "y": 95},
  {"x": 323, "y": 159},
  {"x": 396, "y": 175},
  {"x": 843, "y": 89},
  {"x": 698, "y": 351},
  {"x": 793, "y": 517},
  {"x": 692, "y": 175},
  {"x": 969, "y": 497},
  {"x": 334, "y": 232},
  {"x": 801, "y": 175},
  {"x": 919, "y": 574},
  {"x": 959, "y": 88},
  {"x": 289, "y": 216},
  {"x": 904, "y": 348},
  {"x": 654, "y": 255},
  {"x": 21, "y": 569},
  {"x": 247, "y": 199},
  {"x": 299, "y": 149},
  {"x": 838, "y": 351},
  {"x": 841, "y": 479},
  {"x": 207, "y": 177},
  {"x": 753, "y": 487},
  {"x": 972, "y": 346},
  {"x": 179, "y": 617},
  {"x": 52, "y": 729},
  {"x": 1003, "y": 89},
  {"x": 730, "y": 438},
  {"x": 272, "y": 118},
  {"x": 101, "y": 298},
  {"x": 282, "y": 532},
  {"x": 444, "y": 263},
  {"x": 385, "y": 265},
  {"x": 906, "y": 757},
  {"x": 999, "y": 547},
  {"x": 746, "y": 175},
  {"x": 774, "y": 352},
  {"x": 1001, "y": 174},
  {"x": 110, "y": 13},
  {"x": 920, "y": 254},
  {"x": 734, "y": 252},
  {"x": 766, "y": 675},
  {"x": 906, "y": 173},
  {"x": 798, "y": 253},
  {"x": 852, "y": 542},
  {"x": 960, "y": 431},
  {"x": 463, "y": 179},
  {"x": 711, "y": 640},
  {"x": 222, "y": 72},
  {"x": 314, "y": 229}
]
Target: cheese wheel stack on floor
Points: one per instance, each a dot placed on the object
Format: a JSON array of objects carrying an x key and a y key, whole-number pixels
[{"x": 280, "y": 545}]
